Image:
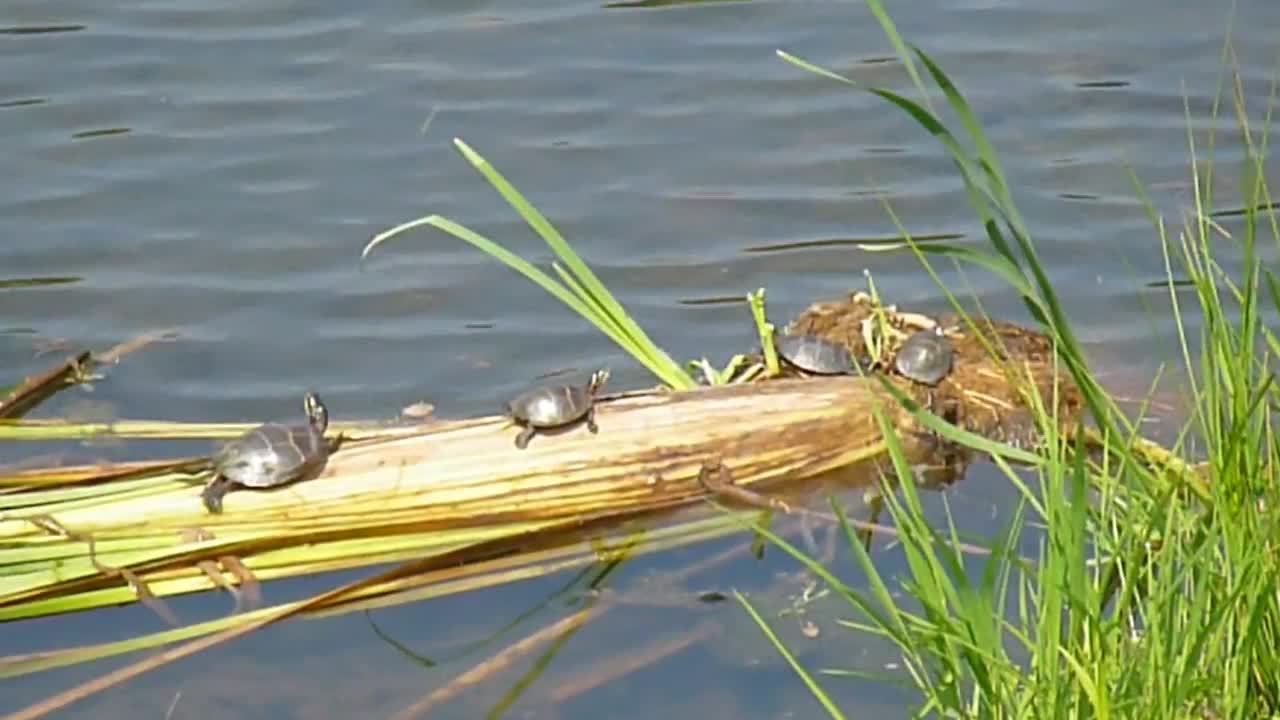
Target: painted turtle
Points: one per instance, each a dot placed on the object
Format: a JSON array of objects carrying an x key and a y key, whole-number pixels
[
  {"x": 814, "y": 354},
  {"x": 551, "y": 407},
  {"x": 272, "y": 454},
  {"x": 925, "y": 357}
]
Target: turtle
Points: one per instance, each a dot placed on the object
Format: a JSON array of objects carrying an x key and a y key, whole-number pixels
[
  {"x": 814, "y": 354},
  {"x": 550, "y": 407},
  {"x": 925, "y": 357},
  {"x": 271, "y": 454}
]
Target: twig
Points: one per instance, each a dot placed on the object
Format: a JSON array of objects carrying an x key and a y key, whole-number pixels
[
  {"x": 115, "y": 352},
  {"x": 499, "y": 661},
  {"x": 619, "y": 667},
  {"x": 168, "y": 715},
  {"x": 38, "y": 388},
  {"x": 50, "y": 525},
  {"x": 15, "y": 479},
  {"x": 717, "y": 479},
  {"x": 251, "y": 596},
  {"x": 74, "y": 370}
]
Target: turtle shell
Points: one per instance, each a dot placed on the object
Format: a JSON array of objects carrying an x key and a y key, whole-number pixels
[
  {"x": 814, "y": 354},
  {"x": 552, "y": 406},
  {"x": 925, "y": 357},
  {"x": 271, "y": 454}
]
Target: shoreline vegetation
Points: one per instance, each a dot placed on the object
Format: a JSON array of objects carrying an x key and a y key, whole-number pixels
[
  {"x": 1146, "y": 599},
  {"x": 1153, "y": 592}
]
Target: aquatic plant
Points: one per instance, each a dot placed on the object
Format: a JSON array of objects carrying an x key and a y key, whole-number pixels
[
  {"x": 1153, "y": 594},
  {"x": 578, "y": 287}
]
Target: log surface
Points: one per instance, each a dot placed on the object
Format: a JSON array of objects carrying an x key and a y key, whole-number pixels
[{"x": 649, "y": 450}]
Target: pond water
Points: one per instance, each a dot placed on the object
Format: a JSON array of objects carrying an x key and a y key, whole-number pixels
[{"x": 215, "y": 169}]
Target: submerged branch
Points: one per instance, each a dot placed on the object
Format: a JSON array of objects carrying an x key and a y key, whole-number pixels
[
  {"x": 74, "y": 370},
  {"x": 40, "y": 387}
]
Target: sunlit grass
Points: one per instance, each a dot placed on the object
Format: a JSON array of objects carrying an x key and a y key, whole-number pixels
[{"x": 1141, "y": 600}]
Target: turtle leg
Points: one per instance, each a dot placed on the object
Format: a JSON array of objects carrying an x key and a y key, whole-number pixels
[
  {"x": 522, "y": 440},
  {"x": 591, "y": 421},
  {"x": 213, "y": 492},
  {"x": 716, "y": 477}
]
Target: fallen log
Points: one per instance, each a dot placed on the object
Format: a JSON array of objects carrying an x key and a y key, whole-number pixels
[
  {"x": 463, "y": 473},
  {"x": 397, "y": 493},
  {"x": 453, "y": 475}
]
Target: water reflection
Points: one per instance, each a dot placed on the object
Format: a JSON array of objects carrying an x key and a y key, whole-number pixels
[{"x": 1098, "y": 84}]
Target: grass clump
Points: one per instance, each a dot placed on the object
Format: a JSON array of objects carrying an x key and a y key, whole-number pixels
[{"x": 1140, "y": 599}]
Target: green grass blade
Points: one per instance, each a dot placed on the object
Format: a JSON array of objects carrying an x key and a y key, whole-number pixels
[
  {"x": 501, "y": 254},
  {"x": 672, "y": 373},
  {"x": 899, "y": 45},
  {"x": 606, "y": 324},
  {"x": 811, "y": 682}
]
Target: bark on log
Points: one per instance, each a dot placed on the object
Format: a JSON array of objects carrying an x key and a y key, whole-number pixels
[{"x": 648, "y": 452}]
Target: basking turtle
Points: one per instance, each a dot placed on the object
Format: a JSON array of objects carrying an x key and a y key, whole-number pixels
[
  {"x": 814, "y": 354},
  {"x": 550, "y": 407},
  {"x": 925, "y": 357},
  {"x": 271, "y": 455}
]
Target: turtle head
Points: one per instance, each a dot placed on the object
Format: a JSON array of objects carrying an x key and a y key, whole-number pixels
[
  {"x": 317, "y": 413},
  {"x": 598, "y": 379}
]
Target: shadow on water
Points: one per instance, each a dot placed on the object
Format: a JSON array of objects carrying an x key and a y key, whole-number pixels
[
  {"x": 666, "y": 3},
  {"x": 41, "y": 29},
  {"x": 852, "y": 242},
  {"x": 105, "y": 132},
  {"x": 14, "y": 283},
  {"x": 23, "y": 102}
]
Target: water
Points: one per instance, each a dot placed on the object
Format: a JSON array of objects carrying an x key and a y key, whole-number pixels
[{"x": 215, "y": 168}]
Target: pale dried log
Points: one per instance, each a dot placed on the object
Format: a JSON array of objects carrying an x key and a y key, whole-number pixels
[{"x": 462, "y": 473}]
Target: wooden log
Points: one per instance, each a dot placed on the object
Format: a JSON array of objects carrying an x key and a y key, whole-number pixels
[{"x": 648, "y": 452}]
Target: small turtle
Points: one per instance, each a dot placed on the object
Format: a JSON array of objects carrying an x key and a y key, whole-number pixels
[
  {"x": 814, "y": 354},
  {"x": 550, "y": 407},
  {"x": 272, "y": 454},
  {"x": 925, "y": 357}
]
